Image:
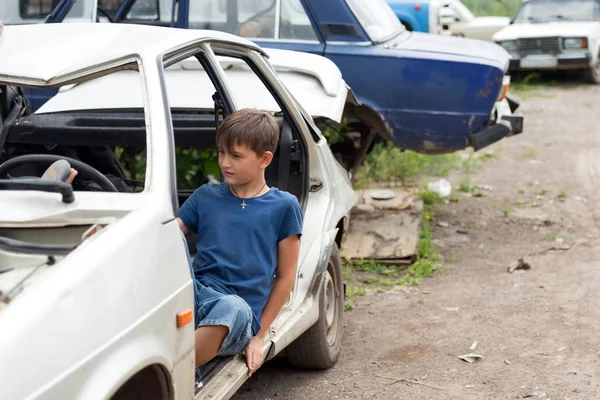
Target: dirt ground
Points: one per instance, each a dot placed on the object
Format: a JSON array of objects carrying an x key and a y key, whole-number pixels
[{"x": 537, "y": 330}]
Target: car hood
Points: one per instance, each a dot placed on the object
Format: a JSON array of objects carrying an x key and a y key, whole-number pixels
[
  {"x": 473, "y": 50},
  {"x": 548, "y": 29},
  {"x": 491, "y": 21}
]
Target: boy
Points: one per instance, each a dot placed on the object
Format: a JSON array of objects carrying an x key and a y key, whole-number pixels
[{"x": 247, "y": 245}]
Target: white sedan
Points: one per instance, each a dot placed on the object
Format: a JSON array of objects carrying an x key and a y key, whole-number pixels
[
  {"x": 96, "y": 295},
  {"x": 555, "y": 35}
]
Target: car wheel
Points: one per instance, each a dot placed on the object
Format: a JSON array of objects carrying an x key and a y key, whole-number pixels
[
  {"x": 319, "y": 347},
  {"x": 592, "y": 75}
]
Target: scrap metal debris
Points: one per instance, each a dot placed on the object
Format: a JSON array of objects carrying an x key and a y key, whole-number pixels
[
  {"x": 519, "y": 264},
  {"x": 470, "y": 358},
  {"x": 385, "y": 227}
]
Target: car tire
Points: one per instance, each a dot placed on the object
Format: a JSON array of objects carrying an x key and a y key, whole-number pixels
[
  {"x": 592, "y": 75},
  {"x": 319, "y": 347}
]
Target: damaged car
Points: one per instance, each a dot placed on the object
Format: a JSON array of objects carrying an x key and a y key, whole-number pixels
[
  {"x": 71, "y": 255},
  {"x": 435, "y": 94}
]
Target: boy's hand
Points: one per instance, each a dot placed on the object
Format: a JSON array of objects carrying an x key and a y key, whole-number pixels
[
  {"x": 254, "y": 355},
  {"x": 72, "y": 174}
]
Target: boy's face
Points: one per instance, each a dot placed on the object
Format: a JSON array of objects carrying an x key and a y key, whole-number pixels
[{"x": 243, "y": 165}]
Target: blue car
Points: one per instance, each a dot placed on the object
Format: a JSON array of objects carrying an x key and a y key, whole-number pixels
[{"x": 436, "y": 94}]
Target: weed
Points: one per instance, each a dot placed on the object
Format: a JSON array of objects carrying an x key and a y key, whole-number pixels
[
  {"x": 454, "y": 198},
  {"x": 419, "y": 270},
  {"x": 386, "y": 163},
  {"x": 521, "y": 191},
  {"x": 349, "y": 305},
  {"x": 535, "y": 204},
  {"x": 426, "y": 264},
  {"x": 506, "y": 211},
  {"x": 562, "y": 194},
  {"x": 425, "y": 246},
  {"x": 370, "y": 279},
  {"x": 541, "y": 192},
  {"x": 531, "y": 85},
  {"x": 477, "y": 193},
  {"x": 369, "y": 265},
  {"x": 385, "y": 282},
  {"x": 465, "y": 186},
  {"x": 588, "y": 105},
  {"x": 553, "y": 235},
  {"x": 355, "y": 290},
  {"x": 470, "y": 163},
  {"x": 430, "y": 198}
]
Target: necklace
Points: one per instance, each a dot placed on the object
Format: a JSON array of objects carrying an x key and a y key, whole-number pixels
[{"x": 244, "y": 200}]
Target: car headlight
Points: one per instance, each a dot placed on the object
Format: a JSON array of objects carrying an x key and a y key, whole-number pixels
[
  {"x": 509, "y": 45},
  {"x": 575, "y": 43}
]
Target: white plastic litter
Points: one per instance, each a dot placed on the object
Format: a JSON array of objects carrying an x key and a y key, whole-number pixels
[{"x": 443, "y": 187}]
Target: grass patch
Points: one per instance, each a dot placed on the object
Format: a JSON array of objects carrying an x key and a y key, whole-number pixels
[
  {"x": 465, "y": 186},
  {"x": 387, "y": 163},
  {"x": 427, "y": 264},
  {"x": 355, "y": 290},
  {"x": 420, "y": 269},
  {"x": 429, "y": 198},
  {"x": 562, "y": 194},
  {"x": 350, "y": 304},
  {"x": 506, "y": 211},
  {"x": 531, "y": 85}
]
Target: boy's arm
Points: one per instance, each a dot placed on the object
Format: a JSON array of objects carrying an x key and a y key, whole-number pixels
[
  {"x": 182, "y": 226},
  {"x": 288, "y": 251}
]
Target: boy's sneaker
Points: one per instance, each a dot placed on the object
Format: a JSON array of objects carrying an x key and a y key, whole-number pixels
[{"x": 198, "y": 384}]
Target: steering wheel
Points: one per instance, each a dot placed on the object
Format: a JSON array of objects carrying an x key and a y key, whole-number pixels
[{"x": 85, "y": 170}]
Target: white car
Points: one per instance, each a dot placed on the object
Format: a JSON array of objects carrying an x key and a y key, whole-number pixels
[
  {"x": 555, "y": 35},
  {"x": 455, "y": 19},
  {"x": 96, "y": 294}
]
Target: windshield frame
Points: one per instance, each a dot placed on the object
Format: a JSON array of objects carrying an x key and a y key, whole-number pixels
[
  {"x": 520, "y": 19},
  {"x": 361, "y": 18}
]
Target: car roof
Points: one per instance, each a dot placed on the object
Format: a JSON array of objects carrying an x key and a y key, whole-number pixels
[{"x": 45, "y": 54}]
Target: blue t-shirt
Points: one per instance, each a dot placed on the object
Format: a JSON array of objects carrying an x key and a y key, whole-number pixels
[{"x": 237, "y": 247}]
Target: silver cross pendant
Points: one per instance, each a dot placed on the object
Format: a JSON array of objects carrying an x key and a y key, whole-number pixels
[{"x": 243, "y": 204}]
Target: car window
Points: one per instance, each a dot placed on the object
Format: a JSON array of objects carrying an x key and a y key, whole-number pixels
[
  {"x": 247, "y": 89},
  {"x": 35, "y": 9},
  {"x": 295, "y": 23},
  {"x": 557, "y": 10},
  {"x": 247, "y": 18},
  {"x": 376, "y": 18},
  {"x": 112, "y": 138}
]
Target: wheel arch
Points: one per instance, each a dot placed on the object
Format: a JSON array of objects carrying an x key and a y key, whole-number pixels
[{"x": 153, "y": 382}]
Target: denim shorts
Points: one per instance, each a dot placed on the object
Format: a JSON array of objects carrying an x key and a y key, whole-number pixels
[{"x": 216, "y": 308}]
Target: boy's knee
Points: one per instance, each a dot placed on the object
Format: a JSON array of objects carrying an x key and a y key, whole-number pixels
[{"x": 236, "y": 305}]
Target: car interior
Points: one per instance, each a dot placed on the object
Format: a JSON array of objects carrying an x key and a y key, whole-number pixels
[{"x": 114, "y": 144}]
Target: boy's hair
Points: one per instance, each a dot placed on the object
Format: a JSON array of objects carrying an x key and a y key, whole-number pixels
[{"x": 254, "y": 128}]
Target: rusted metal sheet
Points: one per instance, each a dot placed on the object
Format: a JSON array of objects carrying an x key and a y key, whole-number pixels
[{"x": 384, "y": 230}]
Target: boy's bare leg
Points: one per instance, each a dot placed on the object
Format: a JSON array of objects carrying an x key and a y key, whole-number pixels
[{"x": 208, "y": 342}]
